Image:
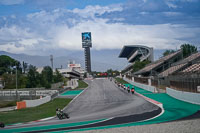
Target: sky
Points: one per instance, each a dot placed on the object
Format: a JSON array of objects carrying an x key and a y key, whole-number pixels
[{"x": 38, "y": 27}]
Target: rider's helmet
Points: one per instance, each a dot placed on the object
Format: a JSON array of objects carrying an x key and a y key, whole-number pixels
[{"x": 57, "y": 109}]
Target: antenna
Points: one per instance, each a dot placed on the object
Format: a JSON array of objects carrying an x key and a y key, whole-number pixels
[{"x": 51, "y": 59}]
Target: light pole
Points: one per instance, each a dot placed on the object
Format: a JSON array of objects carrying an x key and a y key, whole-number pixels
[{"x": 16, "y": 82}]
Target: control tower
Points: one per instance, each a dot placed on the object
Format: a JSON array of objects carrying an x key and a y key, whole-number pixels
[{"x": 87, "y": 44}]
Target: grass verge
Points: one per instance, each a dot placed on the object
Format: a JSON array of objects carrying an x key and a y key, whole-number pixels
[
  {"x": 121, "y": 81},
  {"x": 4, "y": 104},
  {"x": 81, "y": 85},
  {"x": 34, "y": 113}
]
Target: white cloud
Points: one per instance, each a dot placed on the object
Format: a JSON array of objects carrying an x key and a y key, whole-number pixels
[
  {"x": 91, "y": 11},
  {"x": 12, "y": 48},
  {"x": 52, "y": 31},
  {"x": 171, "y": 5},
  {"x": 13, "y": 16},
  {"x": 110, "y": 36},
  {"x": 172, "y": 13},
  {"x": 13, "y": 33},
  {"x": 11, "y": 2},
  {"x": 44, "y": 16}
]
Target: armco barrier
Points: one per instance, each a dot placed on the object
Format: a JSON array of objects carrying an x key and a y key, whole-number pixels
[
  {"x": 143, "y": 86},
  {"x": 37, "y": 102},
  {"x": 184, "y": 96}
]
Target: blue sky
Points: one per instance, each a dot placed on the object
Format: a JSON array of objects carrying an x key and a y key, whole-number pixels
[{"x": 42, "y": 26}]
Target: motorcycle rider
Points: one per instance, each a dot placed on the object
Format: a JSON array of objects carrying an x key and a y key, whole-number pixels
[
  {"x": 58, "y": 111},
  {"x": 61, "y": 114},
  {"x": 128, "y": 89},
  {"x": 2, "y": 125},
  {"x": 133, "y": 90}
]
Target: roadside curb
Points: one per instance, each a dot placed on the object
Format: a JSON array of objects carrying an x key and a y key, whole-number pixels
[
  {"x": 151, "y": 100},
  {"x": 8, "y": 108},
  {"x": 44, "y": 119}
]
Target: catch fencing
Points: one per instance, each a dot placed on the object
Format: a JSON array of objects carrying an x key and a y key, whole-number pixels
[{"x": 181, "y": 82}]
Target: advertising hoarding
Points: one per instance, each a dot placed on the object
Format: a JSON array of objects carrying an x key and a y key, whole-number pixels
[{"x": 86, "y": 39}]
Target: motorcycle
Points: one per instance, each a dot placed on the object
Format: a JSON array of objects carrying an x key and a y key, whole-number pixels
[
  {"x": 132, "y": 91},
  {"x": 62, "y": 115},
  {"x": 2, "y": 125}
]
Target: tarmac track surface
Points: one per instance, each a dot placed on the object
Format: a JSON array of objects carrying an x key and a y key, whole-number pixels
[{"x": 102, "y": 100}]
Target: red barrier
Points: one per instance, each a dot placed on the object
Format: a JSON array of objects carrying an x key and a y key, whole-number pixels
[{"x": 21, "y": 105}]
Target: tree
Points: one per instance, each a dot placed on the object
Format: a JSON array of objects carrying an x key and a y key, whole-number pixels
[
  {"x": 188, "y": 49},
  {"x": 47, "y": 77},
  {"x": 112, "y": 72},
  {"x": 22, "y": 81},
  {"x": 32, "y": 77},
  {"x": 167, "y": 52},
  {"x": 7, "y": 63},
  {"x": 10, "y": 81},
  {"x": 58, "y": 77},
  {"x": 139, "y": 65}
]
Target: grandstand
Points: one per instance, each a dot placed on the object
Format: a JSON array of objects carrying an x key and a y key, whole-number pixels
[
  {"x": 160, "y": 65},
  {"x": 195, "y": 68},
  {"x": 182, "y": 64},
  {"x": 135, "y": 52}
]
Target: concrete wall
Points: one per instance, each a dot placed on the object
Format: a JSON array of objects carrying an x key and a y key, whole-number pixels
[
  {"x": 143, "y": 86},
  {"x": 56, "y": 85},
  {"x": 37, "y": 102},
  {"x": 73, "y": 83},
  {"x": 27, "y": 92},
  {"x": 184, "y": 96}
]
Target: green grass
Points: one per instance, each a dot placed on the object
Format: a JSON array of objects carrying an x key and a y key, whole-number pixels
[
  {"x": 121, "y": 81},
  {"x": 7, "y": 103},
  {"x": 81, "y": 85},
  {"x": 34, "y": 113}
]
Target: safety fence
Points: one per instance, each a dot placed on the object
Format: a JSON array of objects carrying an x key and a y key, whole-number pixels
[
  {"x": 188, "y": 83},
  {"x": 140, "y": 85},
  {"x": 181, "y": 82}
]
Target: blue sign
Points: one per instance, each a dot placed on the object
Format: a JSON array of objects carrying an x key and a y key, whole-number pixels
[
  {"x": 86, "y": 36},
  {"x": 86, "y": 40}
]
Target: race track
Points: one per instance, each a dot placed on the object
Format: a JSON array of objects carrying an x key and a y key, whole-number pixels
[{"x": 103, "y": 102}]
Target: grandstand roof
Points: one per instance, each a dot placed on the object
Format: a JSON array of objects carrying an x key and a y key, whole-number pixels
[
  {"x": 133, "y": 52},
  {"x": 180, "y": 65},
  {"x": 158, "y": 63}
]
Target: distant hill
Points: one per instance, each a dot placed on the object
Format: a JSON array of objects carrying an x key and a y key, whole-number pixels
[{"x": 101, "y": 59}]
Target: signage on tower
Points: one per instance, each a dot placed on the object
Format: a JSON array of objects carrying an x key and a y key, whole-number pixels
[{"x": 86, "y": 40}]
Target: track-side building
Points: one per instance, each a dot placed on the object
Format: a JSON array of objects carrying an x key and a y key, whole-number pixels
[{"x": 136, "y": 52}]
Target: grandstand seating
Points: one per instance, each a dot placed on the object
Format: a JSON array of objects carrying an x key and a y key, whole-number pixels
[
  {"x": 190, "y": 58},
  {"x": 171, "y": 70},
  {"x": 192, "y": 69},
  {"x": 158, "y": 62},
  {"x": 177, "y": 66}
]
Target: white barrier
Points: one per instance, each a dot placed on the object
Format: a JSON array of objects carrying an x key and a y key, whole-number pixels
[
  {"x": 37, "y": 102},
  {"x": 73, "y": 83},
  {"x": 143, "y": 86},
  {"x": 28, "y": 92},
  {"x": 184, "y": 96}
]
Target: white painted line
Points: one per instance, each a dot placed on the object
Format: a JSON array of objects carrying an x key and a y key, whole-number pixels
[
  {"x": 154, "y": 116},
  {"x": 47, "y": 118},
  {"x": 122, "y": 123}
]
